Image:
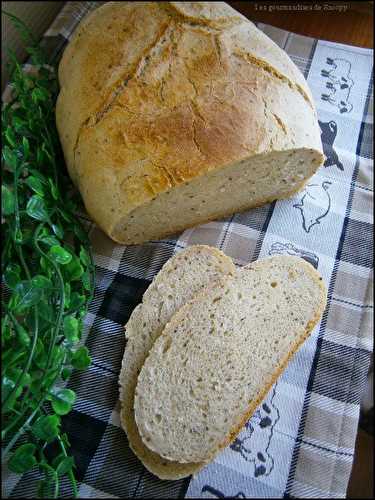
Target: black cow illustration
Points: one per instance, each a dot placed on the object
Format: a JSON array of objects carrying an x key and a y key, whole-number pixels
[
  {"x": 279, "y": 248},
  {"x": 253, "y": 443},
  {"x": 328, "y": 135},
  {"x": 219, "y": 494},
  {"x": 308, "y": 211},
  {"x": 339, "y": 84}
]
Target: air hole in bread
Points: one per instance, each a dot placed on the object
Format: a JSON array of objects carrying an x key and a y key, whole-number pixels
[{"x": 158, "y": 418}]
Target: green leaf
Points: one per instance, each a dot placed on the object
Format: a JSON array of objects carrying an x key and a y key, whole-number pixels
[
  {"x": 73, "y": 270},
  {"x": 58, "y": 355},
  {"x": 46, "y": 312},
  {"x": 7, "y": 200},
  {"x": 10, "y": 158},
  {"x": 39, "y": 94},
  {"x": 23, "y": 336},
  {"x": 81, "y": 359},
  {"x": 13, "y": 376},
  {"x": 50, "y": 379},
  {"x": 18, "y": 236},
  {"x": 65, "y": 466},
  {"x": 46, "y": 266},
  {"x": 7, "y": 385},
  {"x": 11, "y": 137},
  {"x": 81, "y": 235},
  {"x": 35, "y": 184},
  {"x": 66, "y": 373},
  {"x": 71, "y": 326},
  {"x": 12, "y": 275},
  {"x": 26, "y": 147},
  {"x": 60, "y": 255},
  {"x": 54, "y": 191},
  {"x": 67, "y": 289},
  {"x": 40, "y": 281},
  {"x": 76, "y": 301},
  {"x": 36, "y": 208},
  {"x": 84, "y": 256},
  {"x": 58, "y": 230},
  {"x": 86, "y": 280},
  {"x": 18, "y": 123},
  {"x": 46, "y": 428},
  {"x": 63, "y": 401},
  {"x": 23, "y": 458},
  {"x": 28, "y": 294},
  {"x": 50, "y": 240}
]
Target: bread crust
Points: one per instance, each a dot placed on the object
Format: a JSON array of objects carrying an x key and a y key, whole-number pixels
[{"x": 144, "y": 108}]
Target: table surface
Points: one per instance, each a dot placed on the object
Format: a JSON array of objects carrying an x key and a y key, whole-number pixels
[{"x": 344, "y": 22}]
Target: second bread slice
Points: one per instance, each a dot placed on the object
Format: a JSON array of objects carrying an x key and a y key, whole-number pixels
[{"x": 185, "y": 274}]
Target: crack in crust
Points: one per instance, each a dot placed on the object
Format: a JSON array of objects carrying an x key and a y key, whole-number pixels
[
  {"x": 169, "y": 29},
  {"x": 118, "y": 88},
  {"x": 214, "y": 24},
  {"x": 280, "y": 123},
  {"x": 263, "y": 65}
]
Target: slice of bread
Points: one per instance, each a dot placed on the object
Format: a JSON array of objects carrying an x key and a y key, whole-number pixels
[
  {"x": 185, "y": 274},
  {"x": 220, "y": 354}
]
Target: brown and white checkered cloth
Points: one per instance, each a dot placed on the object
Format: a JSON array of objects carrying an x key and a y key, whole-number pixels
[{"x": 300, "y": 442}]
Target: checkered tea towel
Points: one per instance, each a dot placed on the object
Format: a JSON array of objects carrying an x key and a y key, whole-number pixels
[{"x": 300, "y": 441}]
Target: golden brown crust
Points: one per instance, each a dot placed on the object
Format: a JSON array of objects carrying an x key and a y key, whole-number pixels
[{"x": 147, "y": 107}]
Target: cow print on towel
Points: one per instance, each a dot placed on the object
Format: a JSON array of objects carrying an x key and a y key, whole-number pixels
[
  {"x": 253, "y": 443},
  {"x": 312, "y": 213},
  {"x": 339, "y": 84},
  {"x": 279, "y": 248},
  {"x": 219, "y": 494},
  {"x": 328, "y": 136}
]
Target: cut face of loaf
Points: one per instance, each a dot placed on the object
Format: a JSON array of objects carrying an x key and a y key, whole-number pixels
[
  {"x": 220, "y": 354},
  {"x": 172, "y": 114},
  {"x": 185, "y": 274},
  {"x": 245, "y": 184}
]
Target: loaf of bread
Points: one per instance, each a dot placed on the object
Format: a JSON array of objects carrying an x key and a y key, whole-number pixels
[
  {"x": 219, "y": 355},
  {"x": 185, "y": 274},
  {"x": 172, "y": 114}
]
